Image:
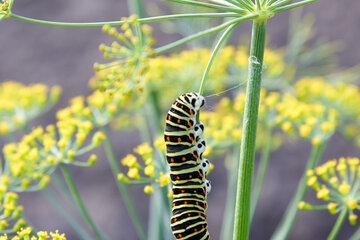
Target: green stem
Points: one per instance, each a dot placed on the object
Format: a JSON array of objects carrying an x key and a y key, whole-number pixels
[
  {"x": 247, "y": 153},
  {"x": 292, "y": 6},
  {"x": 78, "y": 200},
  {"x": 227, "y": 226},
  {"x": 203, "y": 33},
  {"x": 356, "y": 235},
  {"x": 210, "y": 6},
  {"x": 117, "y": 23},
  {"x": 338, "y": 224},
  {"x": 137, "y": 7},
  {"x": 261, "y": 172},
  {"x": 288, "y": 220},
  {"x": 124, "y": 193},
  {"x": 218, "y": 46},
  {"x": 54, "y": 201}
]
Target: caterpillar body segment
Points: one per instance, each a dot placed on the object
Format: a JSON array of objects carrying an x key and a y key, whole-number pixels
[{"x": 185, "y": 147}]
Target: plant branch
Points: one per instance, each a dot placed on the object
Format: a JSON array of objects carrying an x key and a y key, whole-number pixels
[
  {"x": 56, "y": 203},
  {"x": 247, "y": 153},
  {"x": 203, "y": 33},
  {"x": 117, "y": 23},
  {"x": 261, "y": 172},
  {"x": 124, "y": 193},
  {"x": 78, "y": 200},
  {"x": 209, "y": 5},
  {"x": 218, "y": 46},
  {"x": 289, "y": 218},
  {"x": 292, "y": 6},
  {"x": 338, "y": 224}
]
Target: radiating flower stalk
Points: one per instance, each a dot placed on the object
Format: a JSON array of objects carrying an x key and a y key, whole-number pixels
[{"x": 336, "y": 183}]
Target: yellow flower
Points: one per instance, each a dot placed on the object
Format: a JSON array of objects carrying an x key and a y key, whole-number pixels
[
  {"x": 164, "y": 180},
  {"x": 130, "y": 161},
  {"x": 150, "y": 170},
  {"x": 148, "y": 189},
  {"x": 133, "y": 173}
]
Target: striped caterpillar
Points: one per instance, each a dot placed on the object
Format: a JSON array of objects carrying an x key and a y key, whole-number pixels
[{"x": 185, "y": 147}]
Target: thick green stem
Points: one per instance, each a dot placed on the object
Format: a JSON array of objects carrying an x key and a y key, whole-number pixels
[
  {"x": 78, "y": 200},
  {"x": 261, "y": 172},
  {"x": 247, "y": 153},
  {"x": 338, "y": 224},
  {"x": 124, "y": 193},
  {"x": 288, "y": 220}
]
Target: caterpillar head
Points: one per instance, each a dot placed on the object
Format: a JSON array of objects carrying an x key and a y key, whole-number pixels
[{"x": 195, "y": 100}]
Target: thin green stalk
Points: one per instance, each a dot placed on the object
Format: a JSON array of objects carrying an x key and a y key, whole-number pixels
[
  {"x": 356, "y": 235},
  {"x": 117, "y": 23},
  {"x": 210, "y": 6},
  {"x": 283, "y": 230},
  {"x": 137, "y": 7},
  {"x": 338, "y": 224},
  {"x": 78, "y": 200},
  {"x": 261, "y": 172},
  {"x": 247, "y": 153},
  {"x": 227, "y": 226},
  {"x": 218, "y": 46},
  {"x": 54, "y": 201},
  {"x": 124, "y": 193},
  {"x": 202, "y": 34},
  {"x": 292, "y": 6}
]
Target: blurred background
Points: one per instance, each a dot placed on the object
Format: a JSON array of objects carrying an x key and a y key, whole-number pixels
[{"x": 33, "y": 53}]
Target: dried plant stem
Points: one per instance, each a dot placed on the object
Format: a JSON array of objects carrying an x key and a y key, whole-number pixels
[
  {"x": 247, "y": 153},
  {"x": 338, "y": 224},
  {"x": 261, "y": 172},
  {"x": 80, "y": 203},
  {"x": 288, "y": 220}
]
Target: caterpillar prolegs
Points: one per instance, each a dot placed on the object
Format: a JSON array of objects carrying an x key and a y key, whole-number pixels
[{"x": 185, "y": 147}]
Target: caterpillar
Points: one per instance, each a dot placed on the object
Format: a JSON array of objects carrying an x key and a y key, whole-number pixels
[{"x": 184, "y": 149}]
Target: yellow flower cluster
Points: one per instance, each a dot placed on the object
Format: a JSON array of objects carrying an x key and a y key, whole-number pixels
[
  {"x": 181, "y": 72},
  {"x": 345, "y": 98},
  {"x": 223, "y": 125},
  {"x": 130, "y": 53},
  {"x": 146, "y": 171},
  {"x": 311, "y": 121},
  {"x": 30, "y": 162},
  {"x": 336, "y": 182},
  {"x": 11, "y": 213},
  {"x": 21, "y": 103},
  {"x": 99, "y": 108},
  {"x": 5, "y": 7},
  {"x": 28, "y": 234}
]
